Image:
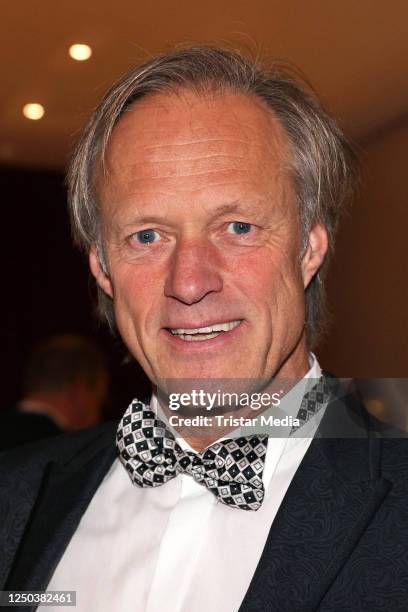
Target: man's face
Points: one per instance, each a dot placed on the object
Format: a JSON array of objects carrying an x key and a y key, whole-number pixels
[{"x": 202, "y": 239}]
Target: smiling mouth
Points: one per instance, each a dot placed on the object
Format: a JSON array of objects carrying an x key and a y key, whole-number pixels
[{"x": 199, "y": 334}]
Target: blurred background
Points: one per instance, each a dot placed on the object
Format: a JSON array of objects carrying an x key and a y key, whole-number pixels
[{"x": 354, "y": 54}]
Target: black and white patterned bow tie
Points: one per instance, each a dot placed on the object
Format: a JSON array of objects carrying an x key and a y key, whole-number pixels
[{"x": 231, "y": 469}]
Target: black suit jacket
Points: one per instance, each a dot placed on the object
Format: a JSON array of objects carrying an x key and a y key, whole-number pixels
[
  {"x": 339, "y": 542},
  {"x": 18, "y": 427}
]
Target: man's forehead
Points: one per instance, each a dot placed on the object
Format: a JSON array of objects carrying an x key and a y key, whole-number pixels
[{"x": 172, "y": 124}]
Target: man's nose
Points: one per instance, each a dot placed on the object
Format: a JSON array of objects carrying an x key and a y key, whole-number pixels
[{"x": 195, "y": 271}]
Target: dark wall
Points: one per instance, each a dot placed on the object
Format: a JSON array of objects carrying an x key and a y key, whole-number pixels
[
  {"x": 368, "y": 279},
  {"x": 45, "y": 283}
]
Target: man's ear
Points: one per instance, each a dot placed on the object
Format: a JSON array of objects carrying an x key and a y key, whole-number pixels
[
  {"x": 315, "y": 253},
  {"x": 97, "y": 270}
]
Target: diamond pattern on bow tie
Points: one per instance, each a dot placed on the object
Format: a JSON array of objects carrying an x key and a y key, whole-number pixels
[
  {"x": 313, "y": 402},
  {"x": 230, "y": 469}
]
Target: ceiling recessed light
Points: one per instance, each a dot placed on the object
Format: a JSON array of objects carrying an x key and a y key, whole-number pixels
[
  {"x": 33, "y": 111},
  {"x": 80, "y": 53}
]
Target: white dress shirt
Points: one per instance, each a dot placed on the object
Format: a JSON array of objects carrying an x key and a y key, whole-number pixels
[{"x": 175, "y": 547}]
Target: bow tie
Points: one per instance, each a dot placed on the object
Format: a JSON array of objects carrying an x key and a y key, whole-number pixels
[{"x": 230, "y": 469}]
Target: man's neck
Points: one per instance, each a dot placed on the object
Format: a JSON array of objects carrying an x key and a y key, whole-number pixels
[{"x": 199, "y": 437}]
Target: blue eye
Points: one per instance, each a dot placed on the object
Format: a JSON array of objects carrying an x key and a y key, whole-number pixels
[
  {"x": 238, "y": 227},
  {"x": 147, "y": 236}
]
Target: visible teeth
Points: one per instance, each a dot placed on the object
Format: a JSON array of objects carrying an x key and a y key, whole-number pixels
[
  {"x": 197, "y": 337},
  {"x": 204, "y": 333}
]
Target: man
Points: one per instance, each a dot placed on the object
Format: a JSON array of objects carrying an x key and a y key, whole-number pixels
[
  {"x": 64, "y": 387},
  {"x": 207, "y": 191}
]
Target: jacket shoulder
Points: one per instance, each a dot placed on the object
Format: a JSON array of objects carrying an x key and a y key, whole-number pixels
[{"x": 62, "y": 448}]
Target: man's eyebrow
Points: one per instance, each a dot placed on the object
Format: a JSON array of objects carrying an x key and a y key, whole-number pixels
[
  {"x": 226, "y": 209},
  {"x": 239, "y": 206},
  {"x": 140, "y": 220}
]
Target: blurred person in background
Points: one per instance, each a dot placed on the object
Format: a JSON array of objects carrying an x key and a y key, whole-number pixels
[{"x": 65, "y": 385}]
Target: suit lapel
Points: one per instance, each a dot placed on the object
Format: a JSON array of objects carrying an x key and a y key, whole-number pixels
[
  {"x": 329, "y": 504},
  {"x": 63, "y": 496}
]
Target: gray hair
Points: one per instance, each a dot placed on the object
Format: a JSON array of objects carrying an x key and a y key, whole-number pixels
[{"x": 323, "y": 165}]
